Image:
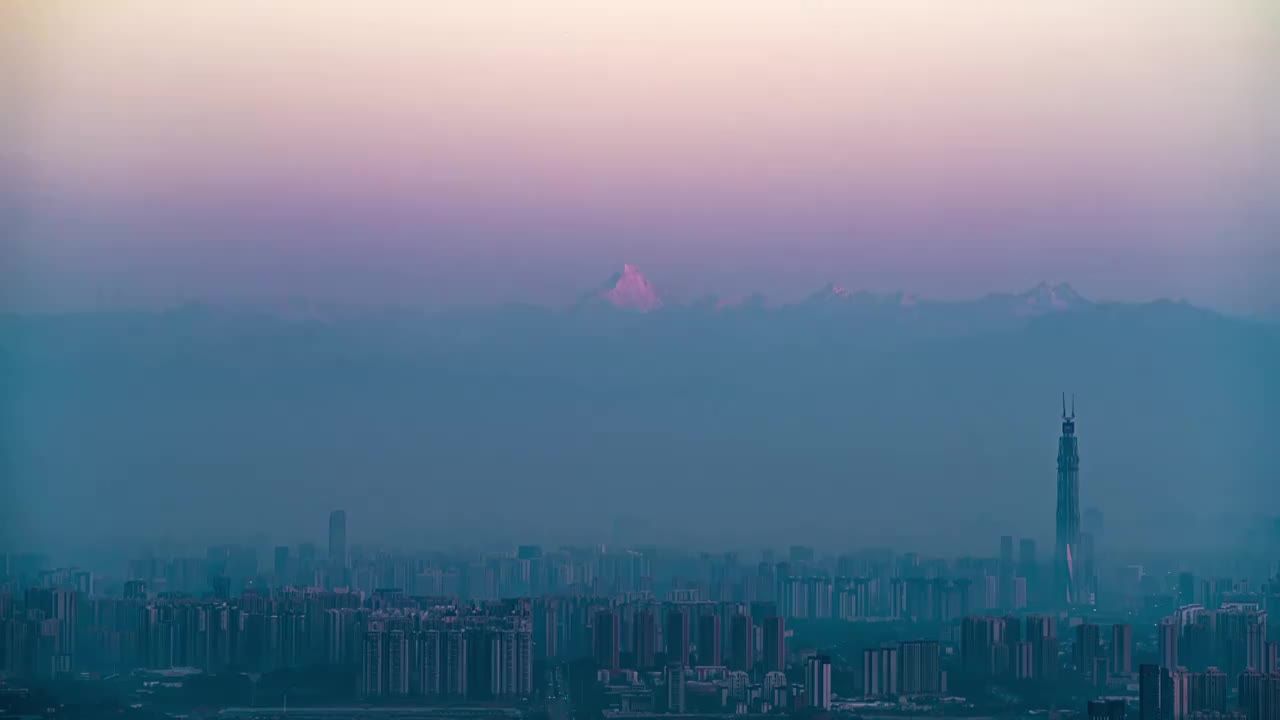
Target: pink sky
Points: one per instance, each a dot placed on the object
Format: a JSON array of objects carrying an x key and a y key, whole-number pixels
[{"x": 424, "y": 149}]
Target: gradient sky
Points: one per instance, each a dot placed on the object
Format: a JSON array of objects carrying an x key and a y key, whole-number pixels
[{"x": 457, "y": 152}]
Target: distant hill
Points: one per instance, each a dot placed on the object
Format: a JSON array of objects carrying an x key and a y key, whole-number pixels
[{"x": 844, "y": 419}]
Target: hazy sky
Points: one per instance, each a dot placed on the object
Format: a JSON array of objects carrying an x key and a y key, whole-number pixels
[{"x": 154, "y": 151}]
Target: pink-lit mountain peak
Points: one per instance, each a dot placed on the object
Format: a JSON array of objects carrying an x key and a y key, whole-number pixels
[
  {"x": 631, "y": 290},
  {"x": 837, "y": 291}
]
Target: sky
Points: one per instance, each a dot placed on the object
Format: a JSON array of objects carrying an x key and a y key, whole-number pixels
[
  {"x": 485, "y": 151},
  {"x": 438, "y": 153}
]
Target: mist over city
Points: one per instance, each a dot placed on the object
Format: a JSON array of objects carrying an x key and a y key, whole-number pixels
[
  {"x": 639, "y": 360},
  {"x": 717, "y": 423}
]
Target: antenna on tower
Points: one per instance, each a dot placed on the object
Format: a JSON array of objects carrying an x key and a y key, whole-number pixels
[
  {"x": 1064, "y": 406},
  {"x": 1073, "y": 406}
]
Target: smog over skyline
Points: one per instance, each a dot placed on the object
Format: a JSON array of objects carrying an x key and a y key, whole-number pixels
[
  {"x": 639, "y": 359},
  {"x": 910, "y": 416},
  {"x": 474, "y": 258},
  {"x": 466, "y": 259}
]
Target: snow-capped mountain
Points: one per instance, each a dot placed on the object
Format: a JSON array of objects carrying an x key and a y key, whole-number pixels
[
  {"x": 628, "y": 290},
  {"x": 1043, "y": 299},
  {"x": 836, "y": 294}
]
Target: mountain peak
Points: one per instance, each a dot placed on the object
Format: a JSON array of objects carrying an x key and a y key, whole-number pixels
[
  {"x": 1045, "y": 297},
  {"x": 835, "y": 295},
  {"x": 835, "y": 292},
  {"x": 631, "y": 290}
]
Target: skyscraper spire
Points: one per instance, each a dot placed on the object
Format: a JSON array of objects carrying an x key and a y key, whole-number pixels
[{"x": 1067, "y": 560}]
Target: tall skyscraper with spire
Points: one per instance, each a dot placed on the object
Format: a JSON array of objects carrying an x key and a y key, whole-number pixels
[{"x": 1066, "y": 559}]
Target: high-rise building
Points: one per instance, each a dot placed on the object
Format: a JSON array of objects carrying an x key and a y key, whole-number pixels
[
  {"x": 645, "y": 639},
  {"x": 1149, "y": 677},
  {"x": 817, "y": 682},
  {"x": 1029, "y": 571},
  {"x": 981, "y": 640},
  {"x": 1088, "y": 646},
  {"x": 1255, "y": 643},
  {"x": 1086, "y": 570},
  {"x": 1175, "y": 693},
  {"x": 1023, "y": 658},
  {"x": 56, "y": 634},
  {"x": 880, "y": 672},
  {"x": 457, "y": 658},
  {"x": 1186, "y": 588},
  {"x": 775, "y": 644},
  {"x": 372, "y": 680},
  {"x": 548, "y": 628},
  {"x": 507, "y": 664},
  {"x": 428, "y": 674},
  {"x": 338, "y": 538},
  {"x": 742, "y": 643},
  {"x": 1067, "y": 548},
  {"x": 1250, "y": 688},
  {"x": 1167, "y": 633},
  {"x": 606, "y": 641},
  {"x": 676, "y": 636},
  {"x": 1043, "y": 635},
  {"x": 1260, "y": 696},
  {"x": 1208, "y": 691},
  {"x": 1006, "y": 570},
  {"x": 709, "y": 641},
  {"x": 397, "y": 663},
  {"x": 921, "y": 674},
  {"x": 1122, "y": 649},
  {"x": 522, "y": 661},
  {"x": 675, "y": 687}
]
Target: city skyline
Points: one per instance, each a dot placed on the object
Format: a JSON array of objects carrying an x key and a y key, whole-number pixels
[
  {"x": 647, "y": 630},
  {"x": 639, "y": 360},
  {"x": 660, "y": 630}
]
